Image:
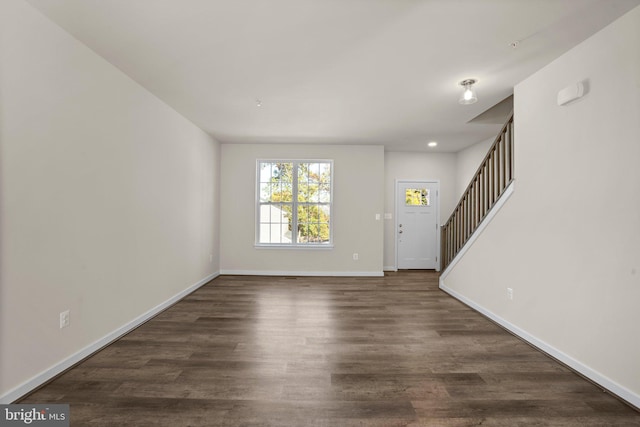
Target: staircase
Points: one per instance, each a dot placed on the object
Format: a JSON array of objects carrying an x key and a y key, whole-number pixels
[{"x": 486, "y": 187}]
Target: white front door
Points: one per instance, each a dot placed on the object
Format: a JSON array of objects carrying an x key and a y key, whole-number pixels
[{"x": 417, "y": 230}]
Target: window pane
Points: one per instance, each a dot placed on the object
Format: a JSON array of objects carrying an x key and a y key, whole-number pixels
[
  {"x": 286, "y": 192},
  {"x": 265, "y": 172},
  {"x": 314, "y": 172},
  {"x": 303, "y": 182},
  {"x": 278, "y": 172},
  {"x": 313, "y": 233},
  {"x": 265, "y": 233},
  {"x": 313, "y": 192},
  {"x": 303, "y": 213},
  {"x": 303, "y": 191},
  {"x": 417, "y": 197},
  {"x": 265, "y": 192},
  {"x": 324, "y": 193},
  {"x": 325, "y": 211},
  {"x": 275, "y": 223},
  {"x": 323, "y": 234},
  {"x": 276, "y": 183},
  {"x": 276, "y": 192},
  {"x": 303, "y": 172},
  {"x": 303, "y": 233},
  {"x": 325, "y": 171},
  {"x": 313, "y": 223},
  {"x": 317, "y": 232}
]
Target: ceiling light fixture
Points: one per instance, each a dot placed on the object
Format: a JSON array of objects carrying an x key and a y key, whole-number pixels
[
  {"x": 469, "y": 95},
  {"x": 258, "y": 103},
  {"x": 432, "y": 144}
]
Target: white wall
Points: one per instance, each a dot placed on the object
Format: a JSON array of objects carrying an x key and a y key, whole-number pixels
[
  {"x": 109, "y": 198},
  {"x": 416, "y": 166},
  {"x": 568, "y": 240},
  {"x": 358, "y": 196},
  {"x": 467, "y": 163}
]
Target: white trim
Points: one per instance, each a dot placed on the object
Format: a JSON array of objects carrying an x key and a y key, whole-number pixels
[
  {"x": 395, "y": 221},
  {"x": 302, "y": 273},
  {"x": 389, "y": 268},
  {"x": 87, "y": 351},
  {"x": 313, "y": 247},
  {"x": 605, "y": 382},
  {"x": 494, "y": 210}
]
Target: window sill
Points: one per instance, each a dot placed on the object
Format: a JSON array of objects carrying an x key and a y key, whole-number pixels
[{"x": 295, "y": 247}]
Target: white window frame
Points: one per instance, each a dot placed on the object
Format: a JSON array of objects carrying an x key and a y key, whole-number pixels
[{"x": 294, "y": 221}]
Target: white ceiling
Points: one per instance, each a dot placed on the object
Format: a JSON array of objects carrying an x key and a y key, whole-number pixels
[{"x": 333, "y": 71}]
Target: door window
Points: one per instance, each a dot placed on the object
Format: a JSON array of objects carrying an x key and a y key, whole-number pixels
[{"x": 417, "y": 197}]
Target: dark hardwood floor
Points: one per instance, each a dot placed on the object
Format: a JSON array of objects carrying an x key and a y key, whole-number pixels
[{"x": 265, "y": 351}]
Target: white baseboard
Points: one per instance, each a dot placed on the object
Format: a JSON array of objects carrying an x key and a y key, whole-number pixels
[
  {"x": 65, "y": 364},
  {"x": 606, "y": 383},
  {"x": 303, "y": 273},
  {"x": 389, "y": 268}
]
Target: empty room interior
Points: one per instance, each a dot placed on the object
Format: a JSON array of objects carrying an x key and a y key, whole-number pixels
[{"x": 314, "y": 213}]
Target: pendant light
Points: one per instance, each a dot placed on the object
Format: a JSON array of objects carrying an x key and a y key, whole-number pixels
[{"x": 469, "y": 95}]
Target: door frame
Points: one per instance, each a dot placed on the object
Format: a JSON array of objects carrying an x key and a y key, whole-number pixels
[{"x": 395, "y": 222}]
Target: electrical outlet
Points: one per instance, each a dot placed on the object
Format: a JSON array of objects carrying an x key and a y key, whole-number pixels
[
  {"x": 377, "y": 217},
  {"x": 510, "y": 293},
  {"x": 64, "y": 319},
  {"x": 355, "y": 256}
]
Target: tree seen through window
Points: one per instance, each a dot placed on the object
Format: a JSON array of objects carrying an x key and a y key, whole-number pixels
[{"x": 295, "y": 202}]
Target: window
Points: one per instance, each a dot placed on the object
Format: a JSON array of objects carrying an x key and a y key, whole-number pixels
[
  {"x": 294, "y": 203},
  {"x": 417, "y": 197}
]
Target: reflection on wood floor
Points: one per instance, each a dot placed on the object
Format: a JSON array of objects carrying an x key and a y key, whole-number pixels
[{"x": 320, "y": 351}]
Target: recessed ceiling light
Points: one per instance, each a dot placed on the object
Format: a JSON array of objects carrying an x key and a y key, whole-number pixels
[{"x": 432, "y": 144}]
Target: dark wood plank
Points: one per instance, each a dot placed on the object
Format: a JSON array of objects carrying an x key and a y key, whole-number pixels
[{"x": 284, "y": 351}]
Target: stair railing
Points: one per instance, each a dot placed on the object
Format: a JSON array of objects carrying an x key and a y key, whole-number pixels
[{"x": 487, "y": 185}]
